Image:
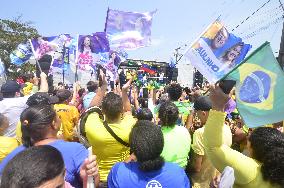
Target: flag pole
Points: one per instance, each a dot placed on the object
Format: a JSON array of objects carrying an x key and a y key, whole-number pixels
[
  {"x": 76, "y": 70},
  {"x": 76, "y": 59},
  {"x": 106, "y": 19},
  {"x": 30, "y": 41},
  {"x": 63, "y": 56}
]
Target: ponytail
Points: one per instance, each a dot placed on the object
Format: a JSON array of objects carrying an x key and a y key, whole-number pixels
[
  {"x": 152, "y": 164},
  {"x": 26, "y": 139}
]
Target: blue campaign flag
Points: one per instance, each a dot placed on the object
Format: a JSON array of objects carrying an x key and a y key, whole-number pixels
[
  {"x": 128, "y": 30},
  {"x": 21, "y": 54}
]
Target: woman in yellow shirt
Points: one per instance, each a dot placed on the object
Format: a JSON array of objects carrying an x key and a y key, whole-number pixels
[
  {"x": 265, "y": 167},
  {"x": 7, "y": 144}
]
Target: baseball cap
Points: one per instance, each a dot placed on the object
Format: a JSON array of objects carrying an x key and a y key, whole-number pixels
[
  {"x": 41, "y": 98},
  {"x": 203, "y": 103},
  {"x": 10, "y": 86}
]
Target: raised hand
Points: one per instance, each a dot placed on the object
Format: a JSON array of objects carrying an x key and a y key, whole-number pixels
[{"x": 218, "y": 98}]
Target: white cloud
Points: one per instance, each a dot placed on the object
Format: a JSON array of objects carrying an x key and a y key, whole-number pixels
[{"x": 157, "y": 41}]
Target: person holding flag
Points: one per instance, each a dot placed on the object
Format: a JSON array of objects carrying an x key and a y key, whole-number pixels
[{"x": 265, "y": 165}]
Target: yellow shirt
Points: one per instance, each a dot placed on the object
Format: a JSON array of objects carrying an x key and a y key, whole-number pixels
[
  {"x": 247, "y": 170},
  {"x": 28, "y": 89},
  {"x": 108, "y": 150},
  {"x": 19, "y": 132},
  {"x": 69, "y": 116},
  {"x": 7, "y": 145},
  {"x": 203, "y": 178}
]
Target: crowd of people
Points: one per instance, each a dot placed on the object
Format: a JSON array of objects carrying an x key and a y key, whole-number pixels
[{"x": 173, "y": 136}]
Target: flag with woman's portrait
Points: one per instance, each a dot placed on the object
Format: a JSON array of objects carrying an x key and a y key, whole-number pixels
[
  {"x": 128, "y": 30},
  {"x": 91, "y": 50},
  {"x": 216, "y": 52}
]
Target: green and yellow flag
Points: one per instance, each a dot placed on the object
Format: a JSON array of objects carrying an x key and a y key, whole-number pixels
[{"x": 259, "y": 88}]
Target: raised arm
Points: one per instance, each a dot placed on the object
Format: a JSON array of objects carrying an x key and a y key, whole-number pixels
[
  {"x": 135, "y": 99},
  {"x": 43, "y": 83},
  {"x": 74, "y": 96},
  {"x": 97, "y": 100},
  {"x": 125, "y": 99},
  {"x": 220, "y": 155},
  {"x": 189, "y": 121},
  {"x": 35, "y": 85}
]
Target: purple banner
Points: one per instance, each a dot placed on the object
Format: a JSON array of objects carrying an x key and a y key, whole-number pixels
[{"x": 128, "y": 30}]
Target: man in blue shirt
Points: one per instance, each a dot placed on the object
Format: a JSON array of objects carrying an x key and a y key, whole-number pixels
[{"x": 92, "y": 89}]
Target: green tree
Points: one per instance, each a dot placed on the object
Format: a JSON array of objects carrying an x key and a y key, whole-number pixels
[{"x": 12, "y": 33}]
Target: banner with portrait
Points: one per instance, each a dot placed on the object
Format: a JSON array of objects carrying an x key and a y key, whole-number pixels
[
  {"x": 216, "y": 52},
  {"x": 92, "y": 50}
]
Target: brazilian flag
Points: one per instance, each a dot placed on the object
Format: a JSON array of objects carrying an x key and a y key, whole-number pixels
[{"x": 259, "y": 88}]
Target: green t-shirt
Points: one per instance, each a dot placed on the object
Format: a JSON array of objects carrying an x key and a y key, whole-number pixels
[{"x": 177, "y": 142}]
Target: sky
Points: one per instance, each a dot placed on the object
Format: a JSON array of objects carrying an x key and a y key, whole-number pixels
[{"x": 176, "y": 24}]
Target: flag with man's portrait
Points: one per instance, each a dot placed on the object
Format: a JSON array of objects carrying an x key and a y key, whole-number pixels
[
  {"x": 128, "y": 30},
  {"x": 259, "y": 88}
]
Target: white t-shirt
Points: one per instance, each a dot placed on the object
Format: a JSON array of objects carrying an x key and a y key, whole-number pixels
[{"x": 12, "y": 109}]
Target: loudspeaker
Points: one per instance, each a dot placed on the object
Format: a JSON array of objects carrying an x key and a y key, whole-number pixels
[
  {"x": 197, "y": 79},
  {"x": 145, "y": 93},
  {"x": 172, "y": 74}
]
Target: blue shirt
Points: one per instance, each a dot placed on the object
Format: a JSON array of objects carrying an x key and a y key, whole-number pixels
[
  {"x": 73, "y": 155},
  {"x": 87, "y": 99},
  {"x": 129, "y": 175}
]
